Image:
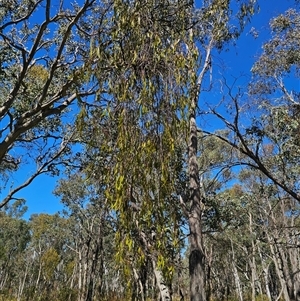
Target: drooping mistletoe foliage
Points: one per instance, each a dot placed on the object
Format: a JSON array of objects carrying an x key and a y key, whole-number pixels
[{"x": 149, "y": 82}]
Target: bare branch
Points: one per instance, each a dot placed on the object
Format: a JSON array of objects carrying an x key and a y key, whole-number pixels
[{"x": 42, "y": 169}]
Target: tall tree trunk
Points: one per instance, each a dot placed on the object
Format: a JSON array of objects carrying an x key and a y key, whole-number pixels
[
  {"x": 22, "y": 282},
  {"x": 73, "y": 280},
  {"x": 295, "y": 267},
  {"x": 255, "y": 284},
  {"x": 279, "y": 271},
  {"x": 292, "y": 251},
  {"x": 80, "y": 275},
  {"x": 92, "y": 273},
  {"x": 281, "y": 255},
  {"x": 196, "y": 258},
  {"x": 265, "y": 268},
  {"x": 236, "y": 276}
]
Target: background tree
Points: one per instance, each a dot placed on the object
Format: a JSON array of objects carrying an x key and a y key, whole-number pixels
[
  {"x": 269, "y": 142},
  {"x": 14, "y": 237}
]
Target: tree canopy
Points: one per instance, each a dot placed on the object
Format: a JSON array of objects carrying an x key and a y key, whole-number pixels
[{"x": 108, "y": 97}]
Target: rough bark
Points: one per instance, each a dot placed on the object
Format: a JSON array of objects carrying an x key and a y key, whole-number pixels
[
  {"x": 197, "y": 255},
  {"x": 196, "y": 258},
  {"x": 140, "y": 284}
]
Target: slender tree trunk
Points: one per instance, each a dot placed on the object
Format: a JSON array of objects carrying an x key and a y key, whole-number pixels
[
  {"x": 22, "y": 282},
  {"x": 279, "y": 271},
  {"x": 82, "y": 277},
  {"x": 196, "y": 258},
  {"x": 294, "y": 260},
  {"x": 160, "y": 281},
  {"x": 37, "y": 283},
  {"x": 236, "y": 276},
  {"x": 254, "y": 277},
  {"x": 265, "y": 268},
  {"x": 92, "y": 273},
  {"x": 209, "y": 259},
  {"x": 252, "y": 263},
  {"x": 4, "y": 278},
  {"x": 237, "y": 281},
  {"x": 283, "y": 252},
  {"x": 293, "y": 255},
  {"x": 281, "y": 255},
  {"x": 73, "y": 277}
]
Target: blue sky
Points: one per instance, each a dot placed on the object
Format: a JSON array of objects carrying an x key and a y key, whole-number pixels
[{"x": 238, "y": 59}]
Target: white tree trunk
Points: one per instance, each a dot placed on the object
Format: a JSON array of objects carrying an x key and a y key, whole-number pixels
[
  {"x": 236, "y": 276},
  {"x": 22, "y": 282},
  {"x": 163, "y": 288},
  {"x": 265, "y": 267}
]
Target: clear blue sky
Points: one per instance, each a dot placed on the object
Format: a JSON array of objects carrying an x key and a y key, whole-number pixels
[{"x": 239, "y": 59}]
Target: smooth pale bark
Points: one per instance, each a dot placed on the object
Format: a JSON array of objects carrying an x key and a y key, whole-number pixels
[
  {"x": 72, "y": 281},
  {"x": 83, "y": 266},
  {"x": 292, "y": 264},
  {"x": 252, "y": 263},
  {"x": 22, "y": 281},
  {"x": 285, "y": 256},
  {"x": 265, "y": 268},
  {"x": 237, "y": 281},
  {"x": 89, "y": 254},
  {"x": 160, "y": 281},
  {"x": 80, "y": 276},
  {"x": 39, "y": 272},
  {"x": 236, "y": 276},
  {"x": 295, "y": 266},
  {"x": 164, "y": 291},
  {"x": 3, "y": 280},
  {"x": 279, "y": 271}
]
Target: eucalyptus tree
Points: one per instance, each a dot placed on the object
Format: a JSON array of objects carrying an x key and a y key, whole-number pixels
[
  {"x": 271, "y": 224},
  {"x": 44, "y": 48},
  {"x": 214, "y": 27},
  {"x": 269, "y": 140},
  {"x": 264, "y": 132}
]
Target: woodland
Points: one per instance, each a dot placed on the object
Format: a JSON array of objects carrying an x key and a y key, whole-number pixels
[{"x": 178, "y": 182}]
